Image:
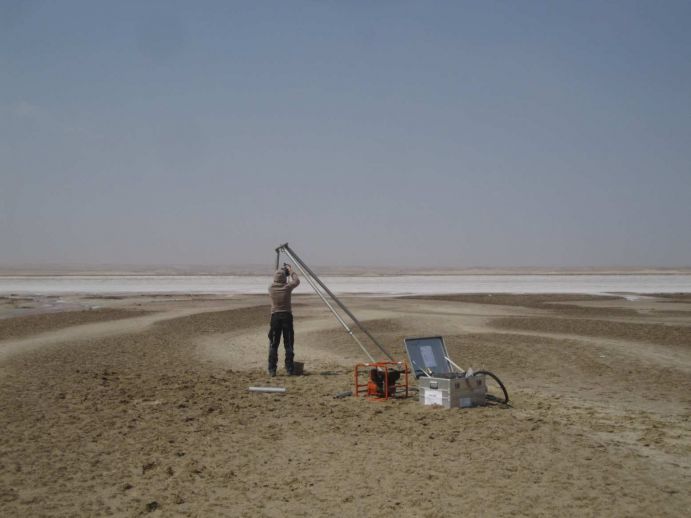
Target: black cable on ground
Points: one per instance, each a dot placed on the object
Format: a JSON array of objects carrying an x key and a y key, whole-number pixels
[{"x": 501, "y": 385}]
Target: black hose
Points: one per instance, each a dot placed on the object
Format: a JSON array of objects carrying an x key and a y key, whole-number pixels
[{"x": 501, "y": 385}]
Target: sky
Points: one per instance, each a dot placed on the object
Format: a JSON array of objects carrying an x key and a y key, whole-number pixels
[{"x": 380, "y": 133}]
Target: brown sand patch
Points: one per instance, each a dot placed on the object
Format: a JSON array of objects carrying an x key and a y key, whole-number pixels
[
  {"x": 515, "y": 299},
  {"x": 28, "y": 325},
  {"x": 671, "y": 313},
  {"x": 548, "y": 301},
  {"x": 673, "y": 297},
  {"x": 678, "y": 336}
]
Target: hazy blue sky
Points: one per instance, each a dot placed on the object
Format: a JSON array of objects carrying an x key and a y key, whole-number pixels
[{"x": 363, "y": 132}]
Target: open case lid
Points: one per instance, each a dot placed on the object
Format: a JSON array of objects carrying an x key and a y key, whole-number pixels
[{"x": 428, "y": 353}]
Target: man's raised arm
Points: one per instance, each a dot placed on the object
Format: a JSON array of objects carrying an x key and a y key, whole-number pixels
[{"x": 293, "y": 279}]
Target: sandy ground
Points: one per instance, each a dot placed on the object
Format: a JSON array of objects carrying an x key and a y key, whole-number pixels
[{"x": 142, "y": 407}]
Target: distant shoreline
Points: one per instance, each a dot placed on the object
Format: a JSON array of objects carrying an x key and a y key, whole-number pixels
[
  {"x": 391, "y": 284},
  {"x": 346, "y": 272}
]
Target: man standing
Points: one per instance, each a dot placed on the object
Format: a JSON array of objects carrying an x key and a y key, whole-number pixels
[{"x": 285, "y": 281}]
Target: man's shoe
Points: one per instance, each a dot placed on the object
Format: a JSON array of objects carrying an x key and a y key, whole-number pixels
[{"x": 272, "y": 373}]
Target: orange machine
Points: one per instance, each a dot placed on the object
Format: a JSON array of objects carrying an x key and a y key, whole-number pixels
[{"x": 384, "y": 380}]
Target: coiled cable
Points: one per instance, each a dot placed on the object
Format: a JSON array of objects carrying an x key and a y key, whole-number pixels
[{"x": 501, "y": 385}]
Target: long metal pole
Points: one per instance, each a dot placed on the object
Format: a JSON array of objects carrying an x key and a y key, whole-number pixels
[
  {"x": 278, "y": 257},
  {"x": 274, "y": 390},
  {"x": 297, "y": 260},
  {"x": 338, "y": 317}
]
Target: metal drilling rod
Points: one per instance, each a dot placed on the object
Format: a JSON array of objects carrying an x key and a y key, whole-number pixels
[
  {"x": 285, "y": 248},
  {"x": 338, "y": 317}
]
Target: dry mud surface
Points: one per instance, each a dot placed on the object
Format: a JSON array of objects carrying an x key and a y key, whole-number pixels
[
  {"x": 150, "y": 413},
  {"x": 29, "y": 325}
]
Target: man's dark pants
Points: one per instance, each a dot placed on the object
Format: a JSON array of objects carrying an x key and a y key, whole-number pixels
[{"x": 281, "y": 323}]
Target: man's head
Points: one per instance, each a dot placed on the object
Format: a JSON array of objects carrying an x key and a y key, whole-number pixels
[{"x": 280, "y": 276}]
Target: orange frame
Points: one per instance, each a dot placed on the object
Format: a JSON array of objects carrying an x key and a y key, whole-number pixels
[{"x": 362, "y": 389}]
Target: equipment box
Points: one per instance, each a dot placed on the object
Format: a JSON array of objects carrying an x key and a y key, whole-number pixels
[
  {"x": 456, "y": 392},
  {"x": 438, "y": 382}
]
